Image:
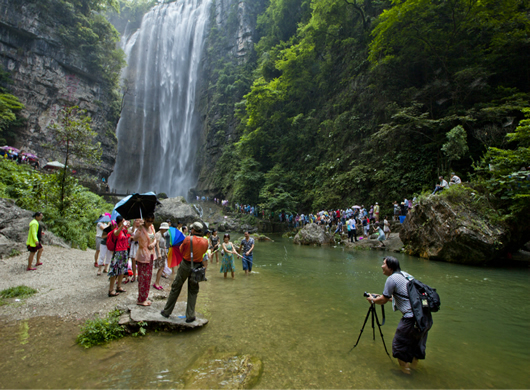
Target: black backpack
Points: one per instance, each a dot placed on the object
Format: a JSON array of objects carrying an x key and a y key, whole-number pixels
[{"x": 424, "y": 300}]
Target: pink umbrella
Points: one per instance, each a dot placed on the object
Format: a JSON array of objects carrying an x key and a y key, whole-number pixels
[{"x": 10, "y": 149}]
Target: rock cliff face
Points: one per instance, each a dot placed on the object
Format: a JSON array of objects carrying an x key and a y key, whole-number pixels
[
  {"x": 46, "y": 78},
  {"x": 236, "y": 22},
  {"x": 438, "y": 230}
]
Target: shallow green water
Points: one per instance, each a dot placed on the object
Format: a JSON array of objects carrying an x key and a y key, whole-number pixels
[{"x": 300, "y": 314}]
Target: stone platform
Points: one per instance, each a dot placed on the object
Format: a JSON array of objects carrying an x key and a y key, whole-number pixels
[{"x": 134, "y": 315}]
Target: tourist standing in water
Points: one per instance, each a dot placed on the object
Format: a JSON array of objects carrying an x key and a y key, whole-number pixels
[
  {"x": 247, "y": 246},
  {"x": 118, "y": 265},
  {"x": 145, "y": 235},
  {"x": 34, "y": 241},
  {"x": 228, "y": 261},
  {"x": 409, "y": 343},
  {"x": 192, "y": 249},
  {"x": 214, "y": 245}
]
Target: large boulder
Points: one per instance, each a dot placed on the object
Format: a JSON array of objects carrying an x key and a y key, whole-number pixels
[
  {"x": 312, "y": 234},
  {"x": 14, "y": 226},
  {"x": 177, "y": 209},
  {"x": 439, "y": 229}
]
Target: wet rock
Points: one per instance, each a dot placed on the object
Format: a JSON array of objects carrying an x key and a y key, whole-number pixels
[
  {"x": 223, "y": 370},
  {"x": 312, "y": 234},
  {"x": 14, "y": 227},
  {"x": 437, "y": 229},
  {"x": 261, "y": 237},
  {"x": 151, "y": 315},
  {"x": 176, "y": 209},
  {"x": 392, "y": 244}
]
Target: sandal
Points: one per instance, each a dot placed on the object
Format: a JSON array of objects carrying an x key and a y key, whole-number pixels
[
  {"x": 133, "y": 279},
  {"x": 113, "y": 295},
  {"x": 126, "y": 281},
  {"x": 99, "y": 273},
  {"x": 158, "y": 287},
  {"x": 120, "y": 290},
  {"x": 31, "y": 269},
  {"x": 39, "y": 264},
  {"x": 145, "y": 303}
]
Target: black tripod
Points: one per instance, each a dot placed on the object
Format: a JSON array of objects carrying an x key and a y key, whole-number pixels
[{"x": 372, "y": 311}]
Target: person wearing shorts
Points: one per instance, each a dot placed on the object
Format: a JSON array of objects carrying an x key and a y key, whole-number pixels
[
  {"x": 33, "y": 242},
  {"x": 409, "y": 342},
  {"x": 247, "y": 247}
]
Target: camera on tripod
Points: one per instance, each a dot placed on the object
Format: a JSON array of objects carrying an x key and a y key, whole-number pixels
[{"x": 375, "y": 320}]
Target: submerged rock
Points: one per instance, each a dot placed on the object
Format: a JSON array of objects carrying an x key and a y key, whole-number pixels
[
  {"x": 223, "y": 370},
  {"x": 134, "y": 315},
  {"x": 437, "y": 229},
  {"x": 312, "y": 234}
]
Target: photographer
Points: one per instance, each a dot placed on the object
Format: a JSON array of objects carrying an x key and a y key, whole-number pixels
[
  {"x": 197, "y": 245},
  {"x": 409, "y": 343}
]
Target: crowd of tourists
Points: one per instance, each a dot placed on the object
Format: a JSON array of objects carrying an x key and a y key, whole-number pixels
[{"x": 129, "y": 251}]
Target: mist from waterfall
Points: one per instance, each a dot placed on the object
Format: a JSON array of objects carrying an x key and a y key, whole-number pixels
[{"x": 157, "y": 131}]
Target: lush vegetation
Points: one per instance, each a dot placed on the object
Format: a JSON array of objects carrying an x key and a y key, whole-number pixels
[
  {"x": 101, "y": 330},
  {"x": 358, "y": 102},
  {"x": 71, "y": 218},
  {"x": 73, "y": 139}
]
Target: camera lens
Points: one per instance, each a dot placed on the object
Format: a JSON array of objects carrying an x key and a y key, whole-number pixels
[{"x": 366, "y": 294}]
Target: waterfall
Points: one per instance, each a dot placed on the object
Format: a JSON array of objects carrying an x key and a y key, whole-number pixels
[{"x": 157, "y": 131}]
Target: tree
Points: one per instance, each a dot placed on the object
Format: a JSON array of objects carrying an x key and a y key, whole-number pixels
[
  {"x": 456, "y": 146},
  {"x": 73, "y": 139},
  {"x": 504, "y": 171}
]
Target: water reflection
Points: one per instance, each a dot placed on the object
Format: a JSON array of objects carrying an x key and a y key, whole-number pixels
[{"x": 300, "y": 314}]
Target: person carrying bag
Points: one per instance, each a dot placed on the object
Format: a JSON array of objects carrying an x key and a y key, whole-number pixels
[{"x": 193, "y": 268}]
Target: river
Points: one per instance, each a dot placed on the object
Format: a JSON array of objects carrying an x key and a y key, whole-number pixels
[{"x": 301, "y": 313}]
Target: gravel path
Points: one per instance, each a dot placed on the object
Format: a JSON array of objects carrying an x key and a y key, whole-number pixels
[{"x": 67, "y": 286}]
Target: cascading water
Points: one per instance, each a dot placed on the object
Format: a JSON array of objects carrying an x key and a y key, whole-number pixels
[{"x": 157, "y": 129}]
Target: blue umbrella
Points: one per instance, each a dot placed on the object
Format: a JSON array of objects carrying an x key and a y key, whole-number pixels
[{"x": 105, "y": 218}]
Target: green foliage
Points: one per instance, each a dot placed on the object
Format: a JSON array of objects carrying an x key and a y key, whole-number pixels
[
  {"x": 35, "y": 191},
  {"x": 17, "y": 292},
  {"x": 504, "y": 173},
  {"x": 456, "y": 146},
  {"x": 73, "y": 138},
  {"x": 101, "y": 330},
  {"x": 142, "y": 330},
  {"x": 357, "y": 102}
]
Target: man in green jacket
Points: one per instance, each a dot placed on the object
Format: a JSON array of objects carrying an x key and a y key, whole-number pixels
[{"x": 34, "y": 241}]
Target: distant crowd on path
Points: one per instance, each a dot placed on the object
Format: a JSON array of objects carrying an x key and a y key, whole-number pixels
[{"x": 129, "y": 251}]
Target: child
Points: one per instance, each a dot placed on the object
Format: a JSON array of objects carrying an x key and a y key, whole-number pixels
[{"x": 227, "y": 262}]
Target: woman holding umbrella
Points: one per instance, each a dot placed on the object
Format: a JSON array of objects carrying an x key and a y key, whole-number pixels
[{"x": 145, "y": 235}]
